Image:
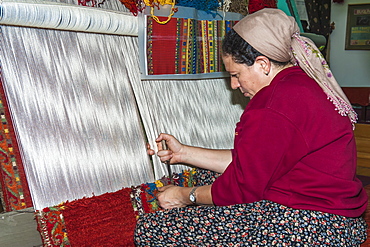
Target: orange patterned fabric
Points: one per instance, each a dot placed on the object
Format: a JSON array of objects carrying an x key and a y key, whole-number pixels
[{"x": 51, "y": 226}]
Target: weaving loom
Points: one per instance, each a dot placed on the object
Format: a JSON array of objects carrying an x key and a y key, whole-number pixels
[
  {"x": 80, "y": 112},
  {"x": 60, "y": 113}
]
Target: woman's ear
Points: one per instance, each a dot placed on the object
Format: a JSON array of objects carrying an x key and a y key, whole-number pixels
[{"x": 264, "y": 64}]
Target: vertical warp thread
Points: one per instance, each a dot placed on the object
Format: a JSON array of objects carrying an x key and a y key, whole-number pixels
[
  {"x": 74, "y": 112},
  {"x": 198, "y": 112},
  {"x": 63, "y": 88}
]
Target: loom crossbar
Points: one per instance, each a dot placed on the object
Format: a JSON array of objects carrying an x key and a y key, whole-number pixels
[{"x": 52, "y": 15}]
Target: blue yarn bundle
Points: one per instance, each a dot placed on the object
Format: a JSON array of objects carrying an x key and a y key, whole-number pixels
[{"x": 205, "y": 5}]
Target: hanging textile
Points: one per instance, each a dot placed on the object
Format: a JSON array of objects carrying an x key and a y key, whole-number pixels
[
  {"x": 187, "y": 47},
  {"x": 194, "y": 45},
  {"x": 240, "y": 7},
  {"x": 255, "y": 5}
]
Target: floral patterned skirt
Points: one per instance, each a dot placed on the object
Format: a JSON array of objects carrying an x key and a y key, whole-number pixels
[{"x": 262, "y": 223}]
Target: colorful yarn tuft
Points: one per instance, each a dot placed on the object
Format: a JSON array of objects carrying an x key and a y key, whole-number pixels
[
  {"x": 144, "y": 197},
  {"x": 135, "y": 6},
  {"x": 156, "y": 3}
]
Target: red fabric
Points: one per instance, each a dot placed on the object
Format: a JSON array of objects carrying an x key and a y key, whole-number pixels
[
  {"x": 255, "y": 5},
  {"x": 133, "y": 6},
  {"x": 163, "y": 48},
  {"x": 105, "y": 220},
  {"x": 143, "y": 198},
  {"x": 293, "y": 148}
]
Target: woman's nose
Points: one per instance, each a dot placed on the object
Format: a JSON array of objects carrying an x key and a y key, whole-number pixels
[{"x": 235, "y": 83}]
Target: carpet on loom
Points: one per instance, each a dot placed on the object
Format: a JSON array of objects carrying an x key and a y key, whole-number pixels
[
  {"x": 110, "y": 219},
  {"x": 105, "y": 220}
]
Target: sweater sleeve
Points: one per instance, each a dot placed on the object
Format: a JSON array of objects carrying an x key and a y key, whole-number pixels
[{"x": 267, "y": 145}]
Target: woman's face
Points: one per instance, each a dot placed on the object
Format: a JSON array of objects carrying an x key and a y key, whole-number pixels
[{"x": 249, "y": 79}]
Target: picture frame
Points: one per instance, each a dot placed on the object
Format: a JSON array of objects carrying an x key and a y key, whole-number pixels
[{"x": 358, "y": 27}]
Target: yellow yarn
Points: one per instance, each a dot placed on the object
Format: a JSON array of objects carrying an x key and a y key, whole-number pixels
[
  {"x": 152, "y": 3},
  {"x": 158, "y": 183},
  {"x": 161, "y": 2}
]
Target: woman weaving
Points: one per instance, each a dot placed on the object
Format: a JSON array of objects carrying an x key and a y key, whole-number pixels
[{"x": 290, "y": 179}]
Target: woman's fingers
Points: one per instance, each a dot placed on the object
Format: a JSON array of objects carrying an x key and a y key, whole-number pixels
[
  {"x": 149, "y": 151},
  {"x": 165, "y": 155}
]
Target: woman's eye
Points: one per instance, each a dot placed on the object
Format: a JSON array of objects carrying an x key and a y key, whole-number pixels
[{"x": 234, "y": 75}]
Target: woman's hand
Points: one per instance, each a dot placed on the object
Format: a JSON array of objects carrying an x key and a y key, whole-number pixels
[
  {"x": 212, "y": 159},
  {"x": 172, "y": 196},
  {"x": 173, "y": 152}
]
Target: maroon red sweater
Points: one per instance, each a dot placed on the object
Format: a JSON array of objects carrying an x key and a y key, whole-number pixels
[{"x": 292, "y": 147}]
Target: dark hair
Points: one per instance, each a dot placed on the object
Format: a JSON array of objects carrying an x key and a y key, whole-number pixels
[{"x": 241, "y": 51}]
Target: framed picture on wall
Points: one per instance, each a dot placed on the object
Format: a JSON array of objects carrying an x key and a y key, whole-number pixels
[{"x": 358, "y": 27}]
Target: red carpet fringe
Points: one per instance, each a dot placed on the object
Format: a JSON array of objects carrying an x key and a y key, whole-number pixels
[{"x": 104, "y": 220}]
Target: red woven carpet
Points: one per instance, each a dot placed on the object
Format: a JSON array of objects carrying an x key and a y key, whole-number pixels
[
  {"x": 109, "y": 220},
  {"x": 106, "y": 220},
  {"x": 92, "y": 221}
]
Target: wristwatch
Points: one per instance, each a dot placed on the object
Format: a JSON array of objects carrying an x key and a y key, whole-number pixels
[{"x": 192, "y": 196}]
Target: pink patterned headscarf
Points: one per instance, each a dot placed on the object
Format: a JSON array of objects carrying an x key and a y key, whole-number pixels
[{"x": 276, "y": 35}]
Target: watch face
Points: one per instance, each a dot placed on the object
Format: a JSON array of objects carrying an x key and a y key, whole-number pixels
[{"x": 192, "y": 198}]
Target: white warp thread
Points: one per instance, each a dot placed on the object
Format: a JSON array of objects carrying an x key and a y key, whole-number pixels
[
  {"x": 74, "y": 112},
  {"x": 198, "y": 112}
]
